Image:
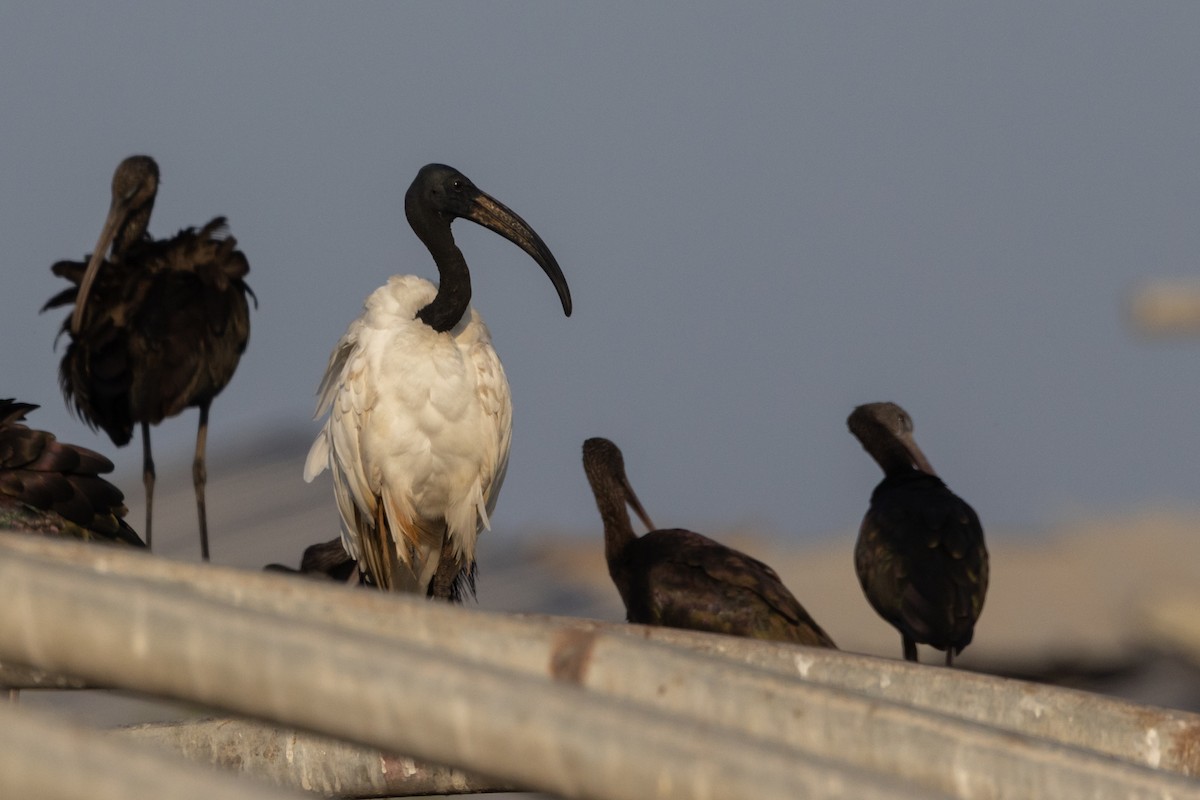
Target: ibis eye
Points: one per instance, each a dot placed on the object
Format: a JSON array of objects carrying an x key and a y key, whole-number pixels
[{"x": 457, "y": 185}]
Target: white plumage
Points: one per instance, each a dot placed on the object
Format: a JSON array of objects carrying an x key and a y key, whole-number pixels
[
  {"x": 419, "y": 422},
  {"x": 420, "y": 414}
]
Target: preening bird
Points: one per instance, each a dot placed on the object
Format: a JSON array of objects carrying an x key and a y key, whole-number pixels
[
  {"x": 420, "y": 415},
  {"x": 158, "y": 325},
  {"x": 920, "y": 555},
  {"x": 680, "y": 579},
  {"x": 54, "y": 488}
]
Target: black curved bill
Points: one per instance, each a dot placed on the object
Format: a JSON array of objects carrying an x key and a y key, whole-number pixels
[{"x": 495, "y": 216}]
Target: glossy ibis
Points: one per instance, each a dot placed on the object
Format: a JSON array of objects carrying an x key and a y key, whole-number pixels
[
  {"x": 920, "y": 555},
  {"x": 158, "y": 326},
  {"x": 420, "y": 415},
  {"x": 327, "y": 560},
  {"x": 680, "y": 579},
  {"x": 54, "y": 488}
]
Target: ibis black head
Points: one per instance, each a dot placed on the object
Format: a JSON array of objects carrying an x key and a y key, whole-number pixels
[
  {"x": 134, "y": 187},
  {"x": 885, "y": 430},
  {"x": 440, "y": 194},
  {"x": 135, "y": 182},
  {"x": 605, "y": 469}
]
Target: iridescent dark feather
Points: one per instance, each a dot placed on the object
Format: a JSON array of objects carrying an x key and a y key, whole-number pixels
[
  {"x": 156, "y": 326},
  {"x": 920, "y": 555},
  {"x": 680, "y": 579},
  {"x": 165, "y": 326},
  {"x": 54, "y": 488},
  {"x": 922, "y": 561},
  {"x": 324, "y": 560}
]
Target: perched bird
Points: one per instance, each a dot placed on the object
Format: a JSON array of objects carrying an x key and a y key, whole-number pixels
[
  {"x": 325, "y": 560},
  {"x": 54, "y": 488},
  {"x": 680, "y": 579},
  {"x": 920, "y": 555},
  {"x": 420, "y": 415},
  {"x": 158, "y": 326}
]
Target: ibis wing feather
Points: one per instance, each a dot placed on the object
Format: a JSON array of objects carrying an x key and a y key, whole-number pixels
[
  {"x": 695, "y": 582},
  {"x": 318, "y": 457},
  {"x": 922, "y": 561},
  {"x": 56, "y": 486},
  {"x": 167, "y": 322}
]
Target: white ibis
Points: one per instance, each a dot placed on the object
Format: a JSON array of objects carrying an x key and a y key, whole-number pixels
[
  {"x": 420, "y": 414},
  {"x": 679, "y": 579},
  {"x": 158, "y": 326},
  {"x": 920, "y": 555}
]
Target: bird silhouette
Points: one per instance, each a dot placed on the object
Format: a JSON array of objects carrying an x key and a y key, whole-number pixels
[
  {"x": 157, "y": 326},
  {"x": 920, "y": 555},
  {"x": 680, "y": 579}
]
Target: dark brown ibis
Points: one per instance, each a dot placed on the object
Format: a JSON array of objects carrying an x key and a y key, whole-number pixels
[
  {"x": 326, "y": 560},
  {"x": 680, "y": 579},
  {"x": 920, "y": 555},
  {"x": 56, "y": 489},
  {"x": 158, "y": 325}
]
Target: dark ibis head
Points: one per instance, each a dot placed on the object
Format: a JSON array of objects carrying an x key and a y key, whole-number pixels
[
  {"x": 605, "y": 468},
  {"x": 440, "y": 194},
  {"x": 134, "y": 186},
  {"x": 885, "y": 430}
]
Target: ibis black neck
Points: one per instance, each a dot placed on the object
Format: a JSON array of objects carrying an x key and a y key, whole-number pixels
[{"x": 454, "y": 290}]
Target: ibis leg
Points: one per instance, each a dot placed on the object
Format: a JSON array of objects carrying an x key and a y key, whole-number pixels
[
  {"x": 148, "y": 480},
  {"x": 950, "y": 656},
  {"x": 453, "y": 579},
  {"x": 445, "y": 580},
  {"x": 910, "y": 648},
  {"x": 200, "y": 477}
]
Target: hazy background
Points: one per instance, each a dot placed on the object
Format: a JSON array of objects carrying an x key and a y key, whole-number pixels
[{"x": 767, "y": 214}]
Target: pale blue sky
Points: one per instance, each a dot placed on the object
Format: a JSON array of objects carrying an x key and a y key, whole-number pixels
[{"x": 767, "y": 214}]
